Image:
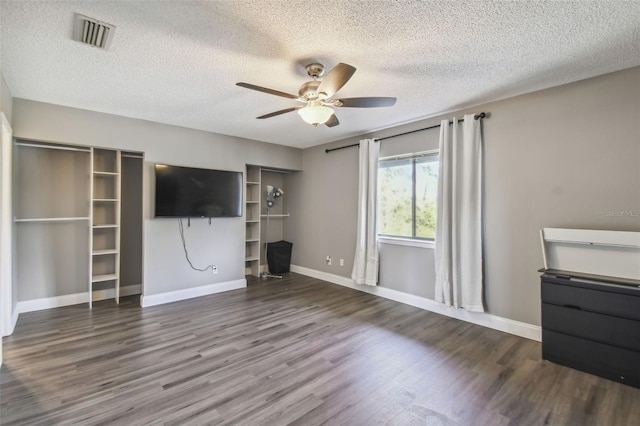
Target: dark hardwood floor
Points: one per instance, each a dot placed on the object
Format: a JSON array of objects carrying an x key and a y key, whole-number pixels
[{"x": 292, "y": 351}]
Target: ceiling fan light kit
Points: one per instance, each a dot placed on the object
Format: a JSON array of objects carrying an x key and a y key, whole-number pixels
[
  {"x": 316, "y": 95},
  {"x": 315, "y": 114}
]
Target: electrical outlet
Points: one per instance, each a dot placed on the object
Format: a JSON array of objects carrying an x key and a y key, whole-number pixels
[
  {"x": 214, "y": 269},
  {"x": 329, "y": 260},
  {"x": 341, "y": 262}
]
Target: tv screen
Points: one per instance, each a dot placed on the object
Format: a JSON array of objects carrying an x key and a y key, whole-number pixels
[{"x": 189, "y": 192}]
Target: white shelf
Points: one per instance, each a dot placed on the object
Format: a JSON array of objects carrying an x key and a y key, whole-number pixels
[
  {"x": 51, "y": 219},
  {"x": 109, "y": 165},
  {"x": 252, "y": 219},
  {"x": 104, "y": 252},
  {"x": 104, "y": 277}
]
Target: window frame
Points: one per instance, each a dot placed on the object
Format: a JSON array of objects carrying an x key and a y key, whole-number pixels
[{"x": 413, "y": 240}]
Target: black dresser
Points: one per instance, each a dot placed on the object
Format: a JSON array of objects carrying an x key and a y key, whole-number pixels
[{"x": 592, "y": 323}]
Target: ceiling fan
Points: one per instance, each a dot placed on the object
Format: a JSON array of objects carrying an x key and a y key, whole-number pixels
[{"x": 316, "y": 95}]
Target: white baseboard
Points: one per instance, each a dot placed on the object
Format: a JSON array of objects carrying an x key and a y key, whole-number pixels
[
  {"x": 189, "y": 293},
  {"x": 151, "y": 300},
  {"x": 74, "y": 299},
  {"x": 506, "y": 325}
]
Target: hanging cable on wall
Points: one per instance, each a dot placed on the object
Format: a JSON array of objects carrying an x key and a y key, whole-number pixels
[{"x": 186, "y": 253}]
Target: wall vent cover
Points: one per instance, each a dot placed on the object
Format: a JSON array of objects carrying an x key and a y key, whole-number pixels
[{"x": 92, "y": 32}]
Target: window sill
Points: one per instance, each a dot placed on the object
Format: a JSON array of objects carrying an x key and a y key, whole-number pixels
[{"x": 407, "y": 242}]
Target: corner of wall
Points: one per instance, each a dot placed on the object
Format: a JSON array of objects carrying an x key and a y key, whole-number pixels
[
  {"x": 6, "y": 100},
  {"x": 7, "y": 297},
  {"x": 14, "y": 321}
]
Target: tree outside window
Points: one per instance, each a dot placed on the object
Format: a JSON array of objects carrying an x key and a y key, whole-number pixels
[{"x": 407, "y": 191}]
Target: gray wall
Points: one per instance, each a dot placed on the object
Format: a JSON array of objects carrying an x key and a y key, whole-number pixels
[
  {"x": 131, "y": 222},
  {"x": 561, "y": 157},
  {"x": 222, "y": 242}
]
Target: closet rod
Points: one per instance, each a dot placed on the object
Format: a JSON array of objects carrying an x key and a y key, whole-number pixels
[
  {"x": 63, "y": 148},
  {"x": 286, "y": 172},
  {"x": 132, "y": 156},
  {"x": 477, "y": 117}
]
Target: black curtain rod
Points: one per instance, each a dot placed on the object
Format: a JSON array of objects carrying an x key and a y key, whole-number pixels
[{"x": 476, "y": 117}]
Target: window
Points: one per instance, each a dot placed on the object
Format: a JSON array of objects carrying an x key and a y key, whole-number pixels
[{"x": 407, "y": 191}]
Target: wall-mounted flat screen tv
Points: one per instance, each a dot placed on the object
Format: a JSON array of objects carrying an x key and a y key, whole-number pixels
[{"x": 189, "y": 192}]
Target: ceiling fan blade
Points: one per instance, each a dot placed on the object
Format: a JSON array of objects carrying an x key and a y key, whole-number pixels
[
  {"x": 273, "y": 114},
  {"x": 332, "y": 121},
  {"x": 266, "y": 90},
  {"x": 367, "y": 102},
  {"x": 336, "y": 78}
]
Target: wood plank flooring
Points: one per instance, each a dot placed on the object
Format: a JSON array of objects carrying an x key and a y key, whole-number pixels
[{"x": 292, "y": 351}]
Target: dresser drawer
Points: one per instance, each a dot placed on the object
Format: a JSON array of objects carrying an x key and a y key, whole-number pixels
[
  {"x": 621, "y": 365},
  {"x": 616, "y": 331},
  {"x": 604, "y": 302}
]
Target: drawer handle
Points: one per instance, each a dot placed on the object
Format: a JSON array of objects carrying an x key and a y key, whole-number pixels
[{"x": 573, "y": 307}]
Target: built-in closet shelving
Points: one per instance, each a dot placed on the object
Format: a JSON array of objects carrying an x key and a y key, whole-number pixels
[
  {"x": 257, "y": 179},
  {"x": 252, "y": 220},
  {"x": 72, "y": 205},
  {"x": 51, "y": 213},
  {"x": 52, "y": 199},
  {"x": 104, "y": 235}
]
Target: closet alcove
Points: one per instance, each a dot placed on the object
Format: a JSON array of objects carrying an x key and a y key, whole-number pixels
[
  {"x": 78, "y": 214},
  {"x": 256, "y": 180}
]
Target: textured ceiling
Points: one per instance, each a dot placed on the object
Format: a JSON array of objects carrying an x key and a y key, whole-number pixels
[{"x": 177, "y": 62}]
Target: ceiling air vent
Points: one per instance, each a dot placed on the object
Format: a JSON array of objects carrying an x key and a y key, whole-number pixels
[{"x": 93, "y": 32}]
